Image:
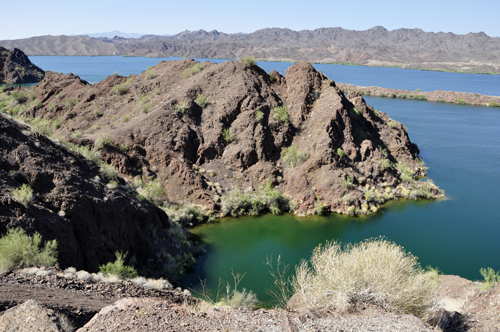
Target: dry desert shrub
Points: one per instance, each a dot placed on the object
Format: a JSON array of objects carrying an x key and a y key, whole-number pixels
[{"x": 374, "y": 271}]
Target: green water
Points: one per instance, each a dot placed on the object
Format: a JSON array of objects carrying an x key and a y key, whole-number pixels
[{"x": 460, "y": 144}]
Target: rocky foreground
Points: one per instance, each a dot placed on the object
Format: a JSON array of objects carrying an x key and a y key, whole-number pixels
[
  {"x": 54, "y": 303},
  {"x": 16, "y": 68}
]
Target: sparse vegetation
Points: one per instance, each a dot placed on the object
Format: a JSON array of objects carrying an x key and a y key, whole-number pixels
[
  {"x": 107, "y": 170},
  {"x": 129, "y": 81},
  {"x": 153, "y": 191},
  {"x": 281, "y": 115},
  {"x": 461, "y": 102},
  {"x": 374, "y": 271},
  {"x": 23, "y": 194},
  {"x": 419, "y": 97},
  {"x": 192, "y": 70},
  {"x": 393, "y": 124},
  {"x": 150, "y": 73},
  {"x": 340, "y": 153},
  {"x": 17, "y": 250},
  {"x": 97, "y": 113},
  {"x": 347, "y": 182},
  {"x": 70, "y": 103},
  {"x": 490, "y": 277},
  {"x": 201, "y": 100},
  {"x": 118, "y": 267},
  {"x": 125, "y": 118},
  {"x": 249, "y": 202},
  {"x": 259, "y": 115},
  {"x": 293, "y": 156},
  {"x": 180, "y": 108},
  {"x": 51, "y": 106},
  {"x": 102, "y": 141},
  {"x": 249, "y": 60},
  {"x": 19, "y": 96},
  {"x": 36, "y": 103},
  {"x": 119, "y": 89},
  {"x": 406, "y": 172},
  {"x": 228, "y": 135}
]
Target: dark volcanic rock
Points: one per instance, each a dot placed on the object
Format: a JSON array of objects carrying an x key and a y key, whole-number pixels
[
  {"x": 72, "y": 203},
  {"x": 160, "y": 131},
  {"x": 16, "y": 68}
]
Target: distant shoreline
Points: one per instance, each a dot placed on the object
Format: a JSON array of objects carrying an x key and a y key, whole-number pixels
[{"x": 454, "y": 97}]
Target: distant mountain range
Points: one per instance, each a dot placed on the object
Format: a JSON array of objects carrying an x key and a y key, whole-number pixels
[
  {"x": 114, "y": 33},
  {"x": 408, "y": 48}
]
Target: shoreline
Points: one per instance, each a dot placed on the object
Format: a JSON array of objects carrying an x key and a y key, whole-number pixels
[{"x": 442, "y": 96}]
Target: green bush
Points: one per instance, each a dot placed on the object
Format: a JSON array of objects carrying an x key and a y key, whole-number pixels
[
  {"x": 293, "y": 156},
  {"x": 119, "y": 89},
  {"x": 419, "y": 97},
  {"x": 102, "y": 141},
  {"x": 153, "y": 191},
  {"x": 340, "y": 153},
  {"x": 259, "y": 115},
  {"x": 125, "y": 118},
  {"x": 70, "y": 103},
  {"x": 249, "y": 60},
  {"x": 347, "y": 182},
  {"x": 265, "y": 198},
  {"x": 461, "y": 102},
  {"x": 201, "y": 100},
  {"x": 19, "y": 96},
  {"x": 490, "y": 277},
  {"x": 51, "y": 106},
  {"x": 192, "y": 70},
  {"x": 118, "y": 268},
  {"x": 406, "y": 172},
  {"x": 150, "y": 73},
  {"x": 385, "y": 163},
  {"x": 494, "y": 104},
  {"x": 375, "y": 271},
  {"x": 393, "y": 124},
  {"x": 108, "y": 171},
  {"x": 129, "y": 81},
  {"x": 97, "y": 113},
  {"x": 281, "y": 115},
  {"x": 42, "y": 126},
  {"x": 180, "y": 108},
  {"x": 228, "y": 135},
  {"x": 36, "y": 103},
  {"x": 23, "y": 194},
  {"x": 17, "y": 249},
  {"x": 61, "y": 95}
]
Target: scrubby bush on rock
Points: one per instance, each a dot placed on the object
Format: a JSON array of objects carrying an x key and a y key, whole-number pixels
[
  {"x": 374, "y": 271},
  {"x": 17, "y": 249}
]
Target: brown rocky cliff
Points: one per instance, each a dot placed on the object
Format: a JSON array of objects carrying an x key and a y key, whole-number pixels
[
  {"x": 16, "y": 68},
  {"x": 159, "y": 131},
  {"x": 72, "y": 204}
]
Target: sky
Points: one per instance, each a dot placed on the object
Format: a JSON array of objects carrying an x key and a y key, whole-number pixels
[{"x": 53, "y": 17}]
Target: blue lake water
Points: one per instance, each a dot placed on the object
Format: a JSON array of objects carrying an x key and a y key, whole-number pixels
[{"x": 460, "y": 144}]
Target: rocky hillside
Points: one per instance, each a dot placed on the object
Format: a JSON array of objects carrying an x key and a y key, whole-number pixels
[
  {"x": 73, "y": 203},
  {"x": 408, "y": 48},
  {"x": 16, "y": 68},
  {"x": 236, "y": 140}
]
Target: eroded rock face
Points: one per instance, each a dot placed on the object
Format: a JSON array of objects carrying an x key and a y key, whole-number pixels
[
  {"x": 73, "y": 204},
  {"x": 200, "y": 152},
  {"x": 16, "y": 68}
]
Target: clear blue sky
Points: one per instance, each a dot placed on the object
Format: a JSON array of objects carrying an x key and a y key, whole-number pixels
[{"x": 53, "y": 17}]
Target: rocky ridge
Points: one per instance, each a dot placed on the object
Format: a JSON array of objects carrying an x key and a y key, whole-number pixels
[
  {"x": 407, "y": 48},
  {"x": 16, "y": 68},
  {"x": 331, "y": 152}
]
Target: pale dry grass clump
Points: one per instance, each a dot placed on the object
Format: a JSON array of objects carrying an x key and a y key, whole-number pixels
[{"x": 374, "y": 271}]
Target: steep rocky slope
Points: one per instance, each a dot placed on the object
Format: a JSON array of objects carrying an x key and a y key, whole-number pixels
[
  {"x": 16, "y": 68},
  {"x": 72, "y": 203},
  {"x": 324, "y": 151}
]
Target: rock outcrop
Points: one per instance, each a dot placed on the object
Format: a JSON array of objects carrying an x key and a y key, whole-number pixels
[
  {"x": 16, "y": 68},
  {"x": 74, "y": 205},
  {"x": 300, "y": 133}
]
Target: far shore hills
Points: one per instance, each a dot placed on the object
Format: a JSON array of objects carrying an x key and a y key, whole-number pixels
[{"x": 404, "y": 48}]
